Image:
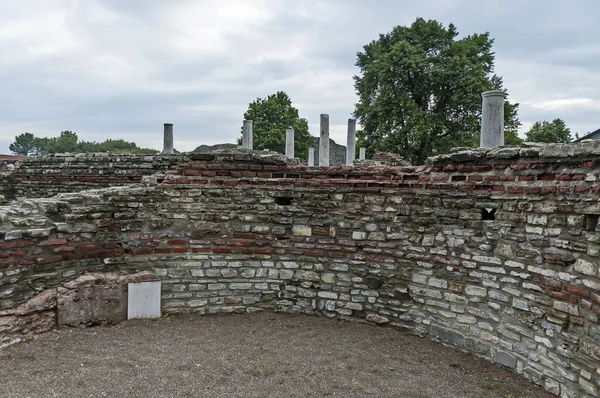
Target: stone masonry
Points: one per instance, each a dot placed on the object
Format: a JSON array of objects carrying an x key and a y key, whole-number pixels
[{"x": 494, "y": 252}]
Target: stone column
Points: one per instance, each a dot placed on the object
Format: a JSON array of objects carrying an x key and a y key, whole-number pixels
[
  {"x": 351, "y": 142},
  {"x": 492, "y": 119},
  {"x": 324, "y": 141},
  {"x": 168, "y": 139},
  {"x": 311, "y": 157},
  {"x": 362, "y": 153},
  {"x": 247, "y": 141},
  {"x": 289, "y": 142}
]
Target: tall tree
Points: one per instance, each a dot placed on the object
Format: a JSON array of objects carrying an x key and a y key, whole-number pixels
[
  {"x": 420, "y": 89},
  {"x": 24, "y": 145},
  {"x": 555, "y": 131},
  {"x": 271, "y": 117}
]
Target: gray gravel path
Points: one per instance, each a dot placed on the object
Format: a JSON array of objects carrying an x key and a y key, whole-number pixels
[{"x": 258, "y": 355}]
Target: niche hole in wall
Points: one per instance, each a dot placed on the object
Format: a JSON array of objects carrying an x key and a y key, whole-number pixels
[
  {"x": 284, "y": 200},
  {"x": 488, "y": 214},
  {"x": 591, "y": 221}
]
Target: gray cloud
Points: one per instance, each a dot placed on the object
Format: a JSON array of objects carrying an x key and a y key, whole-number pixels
[{"x": 114, "y": 69}]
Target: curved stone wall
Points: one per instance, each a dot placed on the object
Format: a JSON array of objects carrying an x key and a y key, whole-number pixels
[{"x": 494, "y": 252}]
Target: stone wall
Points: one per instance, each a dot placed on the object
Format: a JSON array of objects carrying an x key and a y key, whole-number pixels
[
  {"x": 46, "y": 176},
  {"x": 6, "y": 187},
  {"x": 493, "y": 252}
]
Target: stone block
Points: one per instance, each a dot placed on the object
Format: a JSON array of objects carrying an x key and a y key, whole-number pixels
[{"x": 506, "y": 359}]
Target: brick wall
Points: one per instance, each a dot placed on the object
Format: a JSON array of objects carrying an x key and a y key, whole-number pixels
[
  {"x": 494, "y": 252},
  {"x": 47, "y": 176}
]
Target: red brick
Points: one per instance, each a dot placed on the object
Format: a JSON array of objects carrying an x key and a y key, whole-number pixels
[
  {"x": 546, "y": 177},
  {"x": 162, "y": 250},
  {"x": 191, "y": 172},
  {"x": 578, "y": 290},
  {"x": 137, "y": 252},
  {"x": 532, "y": 190},
  {"x": 519, "y": 166},
  {"x": 563, "y": 177},
  {"x": 86, "y": 248},
  {"x": 222, "y": 250},
  {"x": 560, "y": 295},
  {"x": 244, "y": 236},
  {"x": 201, "y": 249},
  {"x": 493, "y": 177},
  {"x": 50, "y": 259},
  {"x": 263, "y": 251},
  {"x": 177, "y": 242},
  {"x": 63, "y": 249},
  {"x": 549, "y": 189},
  {"x": 180, "y": 250}
]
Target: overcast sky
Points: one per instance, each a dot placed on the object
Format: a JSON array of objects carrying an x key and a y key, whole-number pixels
[{"x": 122, "y": 68}]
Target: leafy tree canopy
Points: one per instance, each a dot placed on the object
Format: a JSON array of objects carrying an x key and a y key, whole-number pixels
[
  {"x": 552, "y": 132},
  {"x": 271, "y": 117},
  {"x": 27, "y": 144},
  {"x": 420, "y": 89}
]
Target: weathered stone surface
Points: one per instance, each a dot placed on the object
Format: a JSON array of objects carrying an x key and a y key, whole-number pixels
[
  {"x": 494, "y": 252},
  {"x": 506, "y": 359},
  {"x": 378, "y": 319}
]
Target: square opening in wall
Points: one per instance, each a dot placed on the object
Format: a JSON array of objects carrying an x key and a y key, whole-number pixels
[
  {"x": 284, "y": 200},
  {"x": 591, "y": 221},
  {"x": 488, "y": 214}
]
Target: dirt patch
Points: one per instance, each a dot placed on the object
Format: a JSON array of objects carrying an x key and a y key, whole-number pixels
[{"x": 258, "y": 355}]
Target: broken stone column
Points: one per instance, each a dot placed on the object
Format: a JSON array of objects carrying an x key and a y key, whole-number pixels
[
  {"x": 311, "y": 157},
  {"x": 247, "y": 142},
  {"x": 351, "y": 142},
  {"x": 289, "y": 142},
  {"x": 492, "y": 119},
  {"x": 324, "y": 141},
  {"x": 168, "y": 139},
  {"x": 362, "y": 153}
]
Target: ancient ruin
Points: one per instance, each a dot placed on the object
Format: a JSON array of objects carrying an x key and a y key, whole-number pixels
[{"x": 492, "y": 251}]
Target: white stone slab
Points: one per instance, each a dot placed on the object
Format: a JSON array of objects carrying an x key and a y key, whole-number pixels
[{"x": 143, "y": 300}]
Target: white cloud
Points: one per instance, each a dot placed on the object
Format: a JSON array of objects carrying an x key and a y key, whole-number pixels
[
  {"x": 566, "y": 103},
  {"x": 110, "y": 68}
]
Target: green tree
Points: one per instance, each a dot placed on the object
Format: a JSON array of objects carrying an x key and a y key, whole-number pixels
[
  {"x": 273, "y": 115},
  {"x": 24, "y": 145},
  {"x": 28, "y": 144},
  {"x": 420, "y": 89},
  {"x": 551, "y": 132}
]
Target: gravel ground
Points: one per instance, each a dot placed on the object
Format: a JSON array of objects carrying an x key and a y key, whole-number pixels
[{"x": 258, "y": 355}]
